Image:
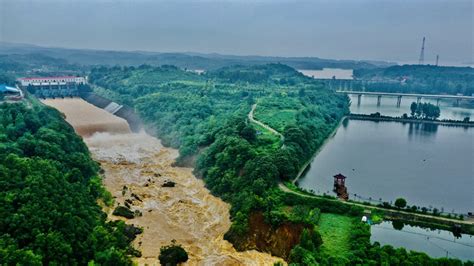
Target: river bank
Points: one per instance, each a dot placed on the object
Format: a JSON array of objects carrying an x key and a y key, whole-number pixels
[
  {"x": 456, "y": 123},
  {"x": 135, "y": 167}
]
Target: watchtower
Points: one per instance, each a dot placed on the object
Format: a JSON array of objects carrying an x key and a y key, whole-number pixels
[{"x": 340, "y": 186}]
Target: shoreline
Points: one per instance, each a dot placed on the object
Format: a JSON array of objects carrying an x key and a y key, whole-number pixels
[
  {"x": 455, "y": 123},
  {"x": 136, "y": 165},
  {"x": 325, "y": 142}
]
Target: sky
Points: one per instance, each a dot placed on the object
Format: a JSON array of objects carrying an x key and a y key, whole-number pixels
[{"x": 353, "y": 29}]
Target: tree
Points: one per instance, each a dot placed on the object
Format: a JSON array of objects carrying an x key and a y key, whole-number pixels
[
  {"x": 400, "y": 203},
  {"x": 413, "y": 108},
  {"x": 172, "y": 254}
]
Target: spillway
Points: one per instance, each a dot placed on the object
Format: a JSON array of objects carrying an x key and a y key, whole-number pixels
[
  {"x": 136, "y": 166},
  {"x": 88, "y": 119}
]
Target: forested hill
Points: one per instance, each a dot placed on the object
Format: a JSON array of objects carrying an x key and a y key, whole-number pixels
[
  {"x": 205, "y": 116},
  {"x": 419, "y": 79},
  {"x": 183, "y": 60},
  {"x": 49, "y": 190}
]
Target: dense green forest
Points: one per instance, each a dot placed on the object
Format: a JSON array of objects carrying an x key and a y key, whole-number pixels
[
  {"x": 50, "y": 187},
  {"x": 205, "y": 116},
  {"x": 418, "y": 79}
]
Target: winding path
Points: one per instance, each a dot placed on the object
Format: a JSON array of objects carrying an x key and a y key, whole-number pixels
[
  {"x": 285, "y": 189},
  {"x": 273, "y": 131}
]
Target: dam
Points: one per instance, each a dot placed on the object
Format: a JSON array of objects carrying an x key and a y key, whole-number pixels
[{"x": 136, "y": 165}]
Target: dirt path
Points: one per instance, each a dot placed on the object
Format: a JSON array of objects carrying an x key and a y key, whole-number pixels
[{"x": 253, "y": 120}]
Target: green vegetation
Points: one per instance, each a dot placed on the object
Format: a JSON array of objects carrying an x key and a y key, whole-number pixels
[
  {"x": 418, "y": 79},
  {"x": 400, "y": 203},
  {"x": 205, "y": 116},
  {"x": 48, "y": 201},
  {"x": 424, "y": 110},
  {"x": 172, "y": 254},
  {"x": 335, "y": 242}
]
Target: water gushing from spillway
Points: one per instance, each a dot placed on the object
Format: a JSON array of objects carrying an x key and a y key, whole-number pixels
[{"x": 136, "y": 166}]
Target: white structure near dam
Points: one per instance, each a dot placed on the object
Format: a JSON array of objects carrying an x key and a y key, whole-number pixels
[{"x": 47, "y": 81}]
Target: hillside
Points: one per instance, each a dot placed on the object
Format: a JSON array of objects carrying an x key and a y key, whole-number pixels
[{"x": 182, "y": 60}]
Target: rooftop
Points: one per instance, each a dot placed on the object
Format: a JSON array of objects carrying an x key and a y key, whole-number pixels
[{"x": 61, "y": 77}]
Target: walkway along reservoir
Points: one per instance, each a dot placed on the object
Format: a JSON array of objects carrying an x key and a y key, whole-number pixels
[{"x": 429, "y": 165}]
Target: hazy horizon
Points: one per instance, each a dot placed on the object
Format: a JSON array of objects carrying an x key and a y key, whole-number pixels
[{"x": 363, "y": 30}]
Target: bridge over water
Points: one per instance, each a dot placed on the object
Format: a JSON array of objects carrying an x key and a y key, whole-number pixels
[{"x": 399, "y": 96}]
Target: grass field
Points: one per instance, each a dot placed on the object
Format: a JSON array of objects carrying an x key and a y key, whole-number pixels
[
  {"x": 277, "y": 113},
  {"x": 266, "y": 138},
  {"x": 335, "y": 231}
]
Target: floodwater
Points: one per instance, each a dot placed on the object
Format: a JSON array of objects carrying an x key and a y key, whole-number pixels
[
  {"x": 436, "y": 243},
  {"x": 329, "y": 73},
  {"x": 389, "y": 107},
  {"x": 187, "y": 212},
  {"x": 86, "y": 118}
]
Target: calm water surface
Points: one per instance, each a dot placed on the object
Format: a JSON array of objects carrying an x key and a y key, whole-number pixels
[
  {"x": 389, "y": 107},
  {"x": 329, "y": 73},
  {"x": 436, "y": 243},
  {"x": 428, "y": 165}
]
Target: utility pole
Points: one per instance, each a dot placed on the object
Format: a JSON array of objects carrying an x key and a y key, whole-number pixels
[{"x": 421, "y": 61}]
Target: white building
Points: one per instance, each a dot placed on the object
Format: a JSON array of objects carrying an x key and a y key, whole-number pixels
[{"x": 47, "y": 81}]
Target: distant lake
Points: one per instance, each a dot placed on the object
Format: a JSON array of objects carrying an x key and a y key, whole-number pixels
[
  {"x": 328, "y": 73},
  {"x": 435, "y": 243}
]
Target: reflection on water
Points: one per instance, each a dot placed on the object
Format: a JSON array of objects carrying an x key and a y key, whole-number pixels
[
  {"x": 436, "y": 243},
  {"x": 428, "y": 165},
  {"x": 421, "y": 130},
  {"x": 389, "y": 107}
]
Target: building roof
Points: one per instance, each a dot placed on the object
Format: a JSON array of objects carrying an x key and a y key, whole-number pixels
[
  {"x": 340, "y": 176},
  {"x": 4, "y": 88},
  {"x": 61, "y": 77}
]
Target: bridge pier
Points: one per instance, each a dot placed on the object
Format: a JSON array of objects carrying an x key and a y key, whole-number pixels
[
  {"x": 437, "y": 101},
  {"x": 359, "y": 99},
  {"x": 379, "y": 99},
  {"x": 399, "y": 101},
  {"x": 457, "y": 102}
]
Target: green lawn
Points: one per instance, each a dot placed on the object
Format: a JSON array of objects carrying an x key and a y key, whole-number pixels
[
  {"x": 266, "y": 139},
  {"x": 277, "y": 112},
  {"x": 275, "y": 118},
  {"x": 335, "y": 231}
]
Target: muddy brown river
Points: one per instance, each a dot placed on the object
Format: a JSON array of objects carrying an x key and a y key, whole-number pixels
[{"x": 136, "y": 166}]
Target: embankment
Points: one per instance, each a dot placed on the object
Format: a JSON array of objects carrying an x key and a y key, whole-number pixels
[
  {"x": 264, "y": 237},
  {"x": 453, "y": 123}
]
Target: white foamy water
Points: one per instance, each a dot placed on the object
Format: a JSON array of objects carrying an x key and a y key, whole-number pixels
[{"x": 187, "y": 212}]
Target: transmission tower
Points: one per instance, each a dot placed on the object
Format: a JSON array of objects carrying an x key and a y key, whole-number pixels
[
  {"x": 437, "y": 59},
  {"x": 422, "y": 53}
]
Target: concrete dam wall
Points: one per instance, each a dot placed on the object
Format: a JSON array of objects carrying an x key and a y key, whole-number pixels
[{"x": 122, "y": 111}]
